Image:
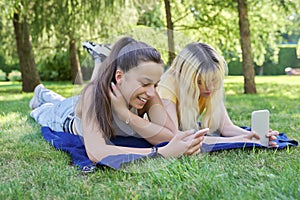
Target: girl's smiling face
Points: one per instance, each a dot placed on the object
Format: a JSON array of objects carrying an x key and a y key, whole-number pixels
[{"x": 138, "y": 85}]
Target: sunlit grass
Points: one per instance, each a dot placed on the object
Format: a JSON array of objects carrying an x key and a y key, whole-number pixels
[{"x": 32, "y": 169}]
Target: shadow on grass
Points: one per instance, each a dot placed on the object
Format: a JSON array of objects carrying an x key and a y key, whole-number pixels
[{"x": 20, "y": 105}]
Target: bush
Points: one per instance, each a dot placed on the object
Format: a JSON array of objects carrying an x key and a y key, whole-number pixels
[
  {"x": 55, "y": 68},
  {"x": 235, "y": 68},
  {"x": 273, "y": 69},
  {"x": 2, "y": 75},
  {"x": 288, "y": 57},
  {"x": 7, "y": 68},
  {"x": 15, "y": 75}
]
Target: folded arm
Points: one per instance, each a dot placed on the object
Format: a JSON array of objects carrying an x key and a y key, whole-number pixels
[
  {"x": 159, "y": 128},
  {"x": 94, "y": 141}
]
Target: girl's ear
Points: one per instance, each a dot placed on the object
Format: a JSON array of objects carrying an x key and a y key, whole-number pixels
[{"x": 119, "y": 75}]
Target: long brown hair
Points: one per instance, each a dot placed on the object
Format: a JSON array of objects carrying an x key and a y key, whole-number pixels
[{"x": 126, "y": 54}]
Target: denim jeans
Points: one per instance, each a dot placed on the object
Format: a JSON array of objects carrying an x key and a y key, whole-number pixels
[{"x": 54, "y": 109}]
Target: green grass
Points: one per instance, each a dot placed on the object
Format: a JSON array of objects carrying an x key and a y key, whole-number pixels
[{"x": 32, "y": 169}]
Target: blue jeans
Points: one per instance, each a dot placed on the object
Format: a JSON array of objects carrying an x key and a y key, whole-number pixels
[{"x": 54, "y": 109}]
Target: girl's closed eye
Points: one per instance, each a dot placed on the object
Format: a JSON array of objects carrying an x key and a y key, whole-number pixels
[
  {"x": 145, "y": 84},
  {"x": 156, "y": 84},
  {"x": 149, "y": 84}
]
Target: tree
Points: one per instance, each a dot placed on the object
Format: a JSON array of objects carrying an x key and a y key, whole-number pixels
[
  {"x": 74, "y": 62},
  {"x": 17, "y": 13},
  {"x": 7, "y": 41},
  {"x": 298, "y": 49},
  {"x": 64, "y": 20},
  {"x": 72, "y": 20},
  {"x": 216, "y": 22},
  {"x": 248, "y": 66},
  {"x": 30, "y": 76},
  {"x": 170, "y": 30}
]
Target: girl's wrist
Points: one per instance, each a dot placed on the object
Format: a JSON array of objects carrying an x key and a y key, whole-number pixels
[
  {"x": 124, "y": 116},
  {"x": 127, "y": 117},
  {"x": 154, "y": 152},
  {"x": 162, "y": 151}
]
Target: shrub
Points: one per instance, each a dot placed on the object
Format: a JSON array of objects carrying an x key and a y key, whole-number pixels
[
  {"x": 2, "y": 75},
  {"x": 55, "y": 68},
  {"x": 15, "y": 75},
  {"x": 273, "y": 69},
  {"x": 288, "y": 57},
  {"x": 235, "y": 68},
  {"x": 7, "y": 68}
]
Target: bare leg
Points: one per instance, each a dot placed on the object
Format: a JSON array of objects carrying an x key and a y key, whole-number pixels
[
  {"x": 98, "y": 53},
  {"x": 95, "y": 71}
]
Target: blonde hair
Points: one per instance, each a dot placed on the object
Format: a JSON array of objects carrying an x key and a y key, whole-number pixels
[{"x": 194, "y": 61}]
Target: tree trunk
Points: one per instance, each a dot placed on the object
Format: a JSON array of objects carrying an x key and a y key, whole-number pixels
[
  {"x": 30, "y": 76},
  {"x": 74, "y": 62},
  {"x": 248, "y": 65},
  {"x": 170, "y": 29}
]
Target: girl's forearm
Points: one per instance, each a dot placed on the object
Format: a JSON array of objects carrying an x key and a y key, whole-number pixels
[
  {"x": 152, "y": 132},
  {"x": 216, "y": 140},
  {"x": 233, "y": 130}
]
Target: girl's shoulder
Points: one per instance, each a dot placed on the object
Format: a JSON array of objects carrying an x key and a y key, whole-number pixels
[
  {"x": 88, "y": 90},
  {"x": 168, "y": 88},
  {"x": 168, "y": 78}
]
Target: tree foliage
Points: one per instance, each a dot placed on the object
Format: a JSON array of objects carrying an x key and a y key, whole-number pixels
[
  {"x": 62, "y": 24},
  {"x": 53, "y": 24},
  {"x": 216, "y": 22}
]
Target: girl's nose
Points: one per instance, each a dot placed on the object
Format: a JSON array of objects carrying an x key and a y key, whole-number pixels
[
  {"x": 150, "y": 91},
  {"x": 210, "y": 87}
]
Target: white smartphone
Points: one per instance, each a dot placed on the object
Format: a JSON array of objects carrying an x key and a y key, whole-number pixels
[{"x": 260, "y": 125}]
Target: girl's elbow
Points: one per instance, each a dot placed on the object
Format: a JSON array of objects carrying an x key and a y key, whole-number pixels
[
  {"x": 158, "y": 139},
  {"x": 92, "y": 157}
]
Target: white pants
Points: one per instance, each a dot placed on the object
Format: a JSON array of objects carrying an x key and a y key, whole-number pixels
[{"x": 54, "y": 109}]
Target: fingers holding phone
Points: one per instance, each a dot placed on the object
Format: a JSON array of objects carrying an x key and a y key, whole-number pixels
[{"x": 196, "y": 143}]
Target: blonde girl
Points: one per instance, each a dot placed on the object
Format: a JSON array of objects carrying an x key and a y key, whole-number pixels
[{"x": 192, "y": 91}]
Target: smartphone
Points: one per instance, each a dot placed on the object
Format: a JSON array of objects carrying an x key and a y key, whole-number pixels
[{"x": 260, "y": 125}]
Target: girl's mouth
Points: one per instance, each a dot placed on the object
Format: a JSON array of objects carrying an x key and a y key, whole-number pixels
[{"x": 142, "y": 99}]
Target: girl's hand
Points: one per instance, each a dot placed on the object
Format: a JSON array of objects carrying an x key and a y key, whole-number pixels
[
  {"x": 196, "y": 145},
  {"x": 272, "y": 135},
  {"x": 249, "y": 137},
  {"x": 118, "y": 102},
  {"x": 183, "y": 143}
]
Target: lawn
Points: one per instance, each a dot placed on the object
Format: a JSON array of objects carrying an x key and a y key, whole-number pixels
[{"x": 32, "y": 169}]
